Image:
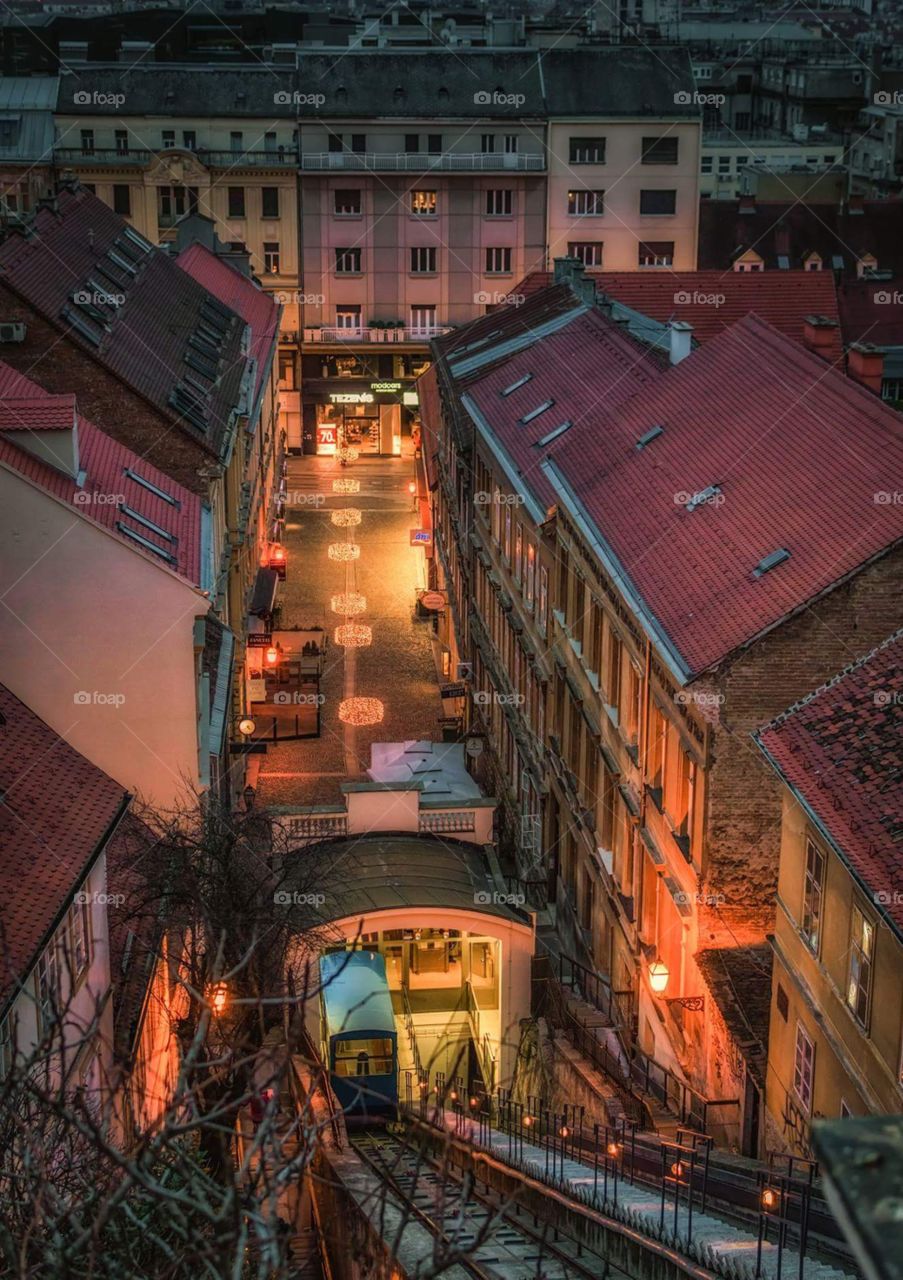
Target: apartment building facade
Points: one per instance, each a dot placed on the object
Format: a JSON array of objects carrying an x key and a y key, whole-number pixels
[
  {"x": 836, "y": 1040},
  {"x": 658, "y": 849}
]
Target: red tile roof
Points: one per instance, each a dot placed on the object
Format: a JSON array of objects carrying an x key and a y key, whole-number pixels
[
  {"x": 56, "y": 810},
  {"x": 841, "y": 752},
  {"x": 799, "y": 453},
  {"x": 148, "y": 309},
  {"x": 106, "y": 489},
  {"x": 243, "y": 296},
  {"x": 711, "y": 301},
  {"x": 44, "y": 413}
]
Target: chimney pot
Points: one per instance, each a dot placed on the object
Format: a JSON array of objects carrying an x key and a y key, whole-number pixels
[
  {"x": 818, "y": 335},
  {"x": 681, "y": 335},
  {"x": 571, "y": 271},
  {"x": 865, "y": 364}
]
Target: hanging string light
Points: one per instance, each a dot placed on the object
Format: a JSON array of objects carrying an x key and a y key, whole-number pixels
[
  {"x": 347, "y": 454},
  {"x": 344, "y": 551},
  {"x": 354, "y": 635},
  {"x": 346, "y": 486},
  {"x": 349, "y": 603},
  {"x": 361, "y": 711},
  {"x": 346, "y": 518}
]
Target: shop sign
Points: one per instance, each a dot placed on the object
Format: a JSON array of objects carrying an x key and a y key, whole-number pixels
[
  {"x": 385, "y": 386},
  {"x": 410, "y": 398},
  {"x": 433, "y": 600},
  {"x": 260, "y": 639},
  {"x": 327, "y": 433},
  {"x": 351, "y": 397},
  {"x": 453, "y": 690},
  {"x": 421, "y": 538}
]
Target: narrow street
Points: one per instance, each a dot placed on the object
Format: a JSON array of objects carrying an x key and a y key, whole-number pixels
[{"x": 398, "y": 668}]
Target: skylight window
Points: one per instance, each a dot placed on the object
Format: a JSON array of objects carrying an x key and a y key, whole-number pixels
[
  {"x": 771, "y": 562},
  {"x": 145, "y": 542},
  {"x": 553, "y": 435},
  {"x": 152, "y": 488},
  {"x": 704, "y": 497},
  {"x": 515, "y": 386},
  {"x": 125, "y": 510},
  {"x": 652, "y": 434},
  {"x": 534, "y": 413}
]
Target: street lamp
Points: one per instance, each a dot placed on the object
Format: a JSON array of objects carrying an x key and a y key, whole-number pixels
[{"x": 658, "y": 976}]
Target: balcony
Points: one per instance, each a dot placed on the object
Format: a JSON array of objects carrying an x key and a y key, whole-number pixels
[
  {"x": 332, "y": 334},
  {"x": 282, "y": 157},
  {"x": 424, "y": 162}
]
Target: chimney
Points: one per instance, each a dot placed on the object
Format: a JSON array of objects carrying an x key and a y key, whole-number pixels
[
  {"x": 570, "y": 271},
  {"x": 818, "y": 335},
  {"x": 865, "y": 363},
  {"x": 681, "y": 335},
  {"x": 747, "y": 203}
]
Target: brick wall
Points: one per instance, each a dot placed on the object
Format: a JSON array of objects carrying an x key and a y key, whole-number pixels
[
  {"x": 60, "y": 366},
  {"x": 743, "y": 822}
]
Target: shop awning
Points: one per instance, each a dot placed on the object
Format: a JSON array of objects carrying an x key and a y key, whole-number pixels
[{"x": 263, "y": 599}]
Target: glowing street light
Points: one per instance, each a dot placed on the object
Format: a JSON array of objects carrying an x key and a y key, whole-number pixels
[
  {"x": 272, "y": 656},
  {"x": 354, "y": 635},
  {"x": 658, "y": 976},
  {"x": 344, "y": 551},
  {"x": 348, "y": 603},
  {"x": 346, "y": 518},
  {"x": 361, "y": 711}
]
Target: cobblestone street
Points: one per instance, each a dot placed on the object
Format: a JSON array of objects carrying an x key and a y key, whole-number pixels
[{"x": 398, "y": 668}]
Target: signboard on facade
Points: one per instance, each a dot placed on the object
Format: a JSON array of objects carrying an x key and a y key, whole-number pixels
[
  {"x": 385, "y": 386},
  {"x": 260, "y": 639},
  {"x": 327, "y": 434},
  {"x": 410, "y": 398},
  {"x": 453, "y": 690},
  {"x": 351, "y": 397},
  {"x": 422, "y": 538}
]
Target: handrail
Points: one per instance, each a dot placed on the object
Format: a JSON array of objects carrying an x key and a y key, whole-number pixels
[
  {"x": 408, "y": 1017},
  {"x": 488, "y": 1060}
]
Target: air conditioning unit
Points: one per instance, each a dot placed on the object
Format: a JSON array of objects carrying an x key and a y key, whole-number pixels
[{"x": 12, "y": 331}]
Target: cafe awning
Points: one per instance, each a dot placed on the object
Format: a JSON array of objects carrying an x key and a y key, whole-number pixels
[{"x": 263, "y": 598}]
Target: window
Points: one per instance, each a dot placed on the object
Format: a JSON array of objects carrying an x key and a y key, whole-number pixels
[
  {"x": 121, "y": 137},
  {"x": 803, "y": 1067},
  {"x": 347, "y": 202},
  {"x": 498, "y": 262},
  {"x": 518, "y": 551},
  {"x": 530, "y": 576},
  {"x": 487, "y": 143},
  {"x": 587, "y": 151},
  {"x": 512, "y": 143},
  {"x": 87, "y": 136},
  {"x": 334, "y": 142},
  {"x": 542, "y": 613},
  {"x": 236, "y": 202},
  {"x": 269, "y": 198},
  {"x": 189, "y": 139},
  {"x": 411, "y": 143},
  {"x": 169, "y": 138},
  {"x": 48, "y": 985},
  {"x": 781, "y": 1001},
  {"x": 724, "y": 164},
  {"x": 423, "y": 203},
  {"x": 862, "y": 950},
  {"x": 656, "y": 253},
  {"x": 658, "y": 202},
  {"x": 271, "y": 257},
  {"x": 434, "y": 144},
  {"x": 348, "y": 262},
  {"x": 423, "y": 320},
  {"x": 358, "y": 143},
  {"x": 269, "y": 142},
  {"x": 499, "y": 203},
  {"x": 583, "y": 204},
  {"x": 175, "y": 202},
  {"x": 348, "y": 317},
  {"x": 707, "y": 164},
  {"x": 588, "y": 251},
  {"x": 659, "y": 151},
  {"x": 76, "y": 938},
  {"x": 122, "y": 198},
  {"x": 235, "y": 142},
  {"x": 813, "y": 889},
  {"x": 6, "y": 1045},
  {"x": 423, "y": 261}
]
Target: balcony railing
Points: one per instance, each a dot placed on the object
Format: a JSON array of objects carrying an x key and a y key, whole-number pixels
[
  {"x": 282, "y": 157},
  {"x": 412, "y": 333},
  {"x": 423, "y": 162}
]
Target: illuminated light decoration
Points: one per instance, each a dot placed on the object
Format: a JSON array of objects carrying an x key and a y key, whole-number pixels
[
  {"x": 354, "y": 635},
  {"x": 614, "y": 1149},
  {"x": 564, "y": 1132},
  {"x": 278, "y": 554},
  {"x": 346, "y": 486},
  {"x": 677, "y": 1169},
  {"x": 361, "y": 711},
  {"x": 348, "y": 454},
  {"x": 770, "y": 1198},
  {"x": 528, "y": 1120},
  {"x": 218, "y": 996},
  {"x": 349, "y": 603},
  {"x": 347, "y": 518},
  {"x": 272, "y": 656},
  {"x": 344, "y": 551}
]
